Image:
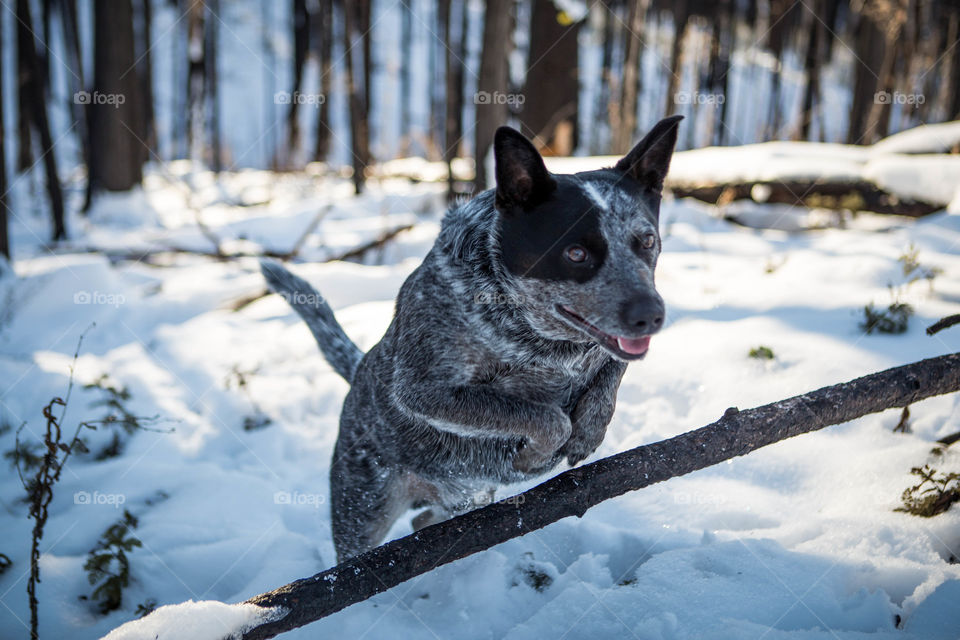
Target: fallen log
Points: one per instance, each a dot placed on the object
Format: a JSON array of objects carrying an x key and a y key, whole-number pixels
[
  {"x": 573, "y": 492},
  {"x": 854, "y": 196}
]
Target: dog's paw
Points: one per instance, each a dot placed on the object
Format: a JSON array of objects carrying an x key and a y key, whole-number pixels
[
  {"x": 579, "y": 448},
  {"x": 528, "y": 459},
  {"x": 546, "y": 437}
]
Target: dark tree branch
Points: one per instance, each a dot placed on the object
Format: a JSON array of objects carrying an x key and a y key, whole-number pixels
[
  {"x": 376, "y": 243},
  {"x": 573, "y": 492},
  {"x": 943, "y": 323},
  {"x": 950, "y": 439}
]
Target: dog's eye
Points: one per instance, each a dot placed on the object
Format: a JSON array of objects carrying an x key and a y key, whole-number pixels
[
  {"x": 575, "y": 253},
  {"x": 647, "y": 240}
]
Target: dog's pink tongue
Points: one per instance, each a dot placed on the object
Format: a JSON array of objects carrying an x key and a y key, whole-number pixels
[{"x": 634, "y": 346}]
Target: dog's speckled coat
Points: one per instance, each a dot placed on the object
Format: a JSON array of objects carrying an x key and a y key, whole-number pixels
[{"x": 503, "y": 356}]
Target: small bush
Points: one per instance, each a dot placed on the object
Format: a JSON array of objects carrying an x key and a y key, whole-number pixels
[
  {"x": 108, "y": 566},
  {"x": 532, "y": 573},
  {"x": 762, "y": 353},
  {"x": 913, "y": 270},
  {"x": 40, "y": 486},
  {"x": 114, "y": 398},
  {"x": 25, "y": 455},
  {"x": 118, "y": 418},
  {"x": 240, "y": 379},
  {"x": 903, "y": 425},
  {"x": 894, "y": 319},
  {"x": 145, "y": 608},
  {"x": 932, "y": 495}
]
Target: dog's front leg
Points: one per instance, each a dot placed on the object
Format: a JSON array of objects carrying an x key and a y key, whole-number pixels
[
  {"x": 593, "y": 412},
  {"x": 478, "y": 411}
]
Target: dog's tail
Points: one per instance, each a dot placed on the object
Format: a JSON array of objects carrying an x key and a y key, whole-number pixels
[{"x": 339, "y": 350}]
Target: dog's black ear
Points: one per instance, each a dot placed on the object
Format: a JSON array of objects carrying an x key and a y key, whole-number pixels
[
  {"x": 522, "y": 179},
  {"x": 648, "y": 162}
]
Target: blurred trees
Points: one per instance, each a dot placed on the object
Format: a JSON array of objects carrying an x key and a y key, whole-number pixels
[
  {"x": 117, "y": 149},
  {"x": 741, "y": 70},
  {"x": 4, "y": 240},
  {"x": 32, "y": 93},
  {"x": 552, "y": 86}
]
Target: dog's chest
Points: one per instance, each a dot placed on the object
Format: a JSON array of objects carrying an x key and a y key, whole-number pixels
[{"x": 554, "y": 380}]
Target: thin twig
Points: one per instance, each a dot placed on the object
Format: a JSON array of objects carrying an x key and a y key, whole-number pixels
[{"x": 943, "y": 323}]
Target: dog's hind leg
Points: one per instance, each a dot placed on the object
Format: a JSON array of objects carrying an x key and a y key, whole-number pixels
[
  {"x": 439, "y": 513},
  {"x": 367, "y": 498}
]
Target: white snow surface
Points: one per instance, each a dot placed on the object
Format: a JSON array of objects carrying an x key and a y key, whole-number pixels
[
  {"x": 928, "y": 138},
  {"x": 795, "y": 541},
  {"x": 206, "y": 620}
]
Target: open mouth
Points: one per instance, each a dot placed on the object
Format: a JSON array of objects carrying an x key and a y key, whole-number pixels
[{"x": 622, "y": 347}]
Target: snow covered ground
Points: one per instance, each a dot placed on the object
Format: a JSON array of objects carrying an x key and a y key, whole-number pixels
[{"x": 795, "y": 541}]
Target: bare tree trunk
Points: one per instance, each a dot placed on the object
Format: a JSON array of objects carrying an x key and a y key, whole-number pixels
[
  {"x": 196, "y": 78},
  {"x": 453, "y": 124},
  {"x": 952, "y": 88},
  {"x": 301, "y": 45},
  {"x": 269, "y": 140},
  {"x": 43, "y": 53},
  {"x": 178, "y": 101},
  {"x": 116, "y": 151},
  {"x": 681, "y": 17},
  {"x": 406, "y": 74},
  {"x": 212, "y": 46},
  {"x": 782, "y": 16},
  {"x": 490, "y": 114},
  {"x": 932, "y": 69},
  {"x": 718, "y": 72},
  {"x": 627, "y": 124},
  {"x": 811, "y": 68},
  {"x": 4, "y": 237},
  {"x": 575, "y": 491},
  {"x": 75, "y": 83},
  {"x": 909, "y": 48},
  {"x": 434, "y": 119},
  {"x": 870, "y": 46},
  {"x": 325, "y": 53},
  {"x": 359, "y": 124},
  {"x": 25, "y": 45},
  {"x": 38, "y": 109},
  {"x": 145, "y": 72},
  {"x": 364, "y": 17},
  {"x": 552, "y": 89},
  {"x": 889, "y": 21},
  {"x": 602, "y": 109}
]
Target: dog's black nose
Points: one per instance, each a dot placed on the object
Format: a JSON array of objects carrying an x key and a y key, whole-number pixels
[{"x": 644, "y": 313}]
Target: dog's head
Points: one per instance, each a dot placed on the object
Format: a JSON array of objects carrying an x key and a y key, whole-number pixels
[{"x": 581, "y": 249}]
